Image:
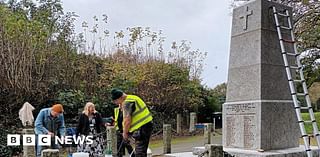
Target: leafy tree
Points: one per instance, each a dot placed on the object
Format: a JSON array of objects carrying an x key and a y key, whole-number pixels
[{"x": 212, "y": 102}]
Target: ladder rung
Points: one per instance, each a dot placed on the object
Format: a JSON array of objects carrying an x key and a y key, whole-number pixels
[
  {"x": 301, "y": 94},
  {"x": 305, "y": 108},
  {"x": 284, "y": 15},
  {"x": 309, "y": 121},
  {"x": 300, "y": 81},
  {"x": 294, "y": 67},
  {"x": 287, "y": 41},
  {"x": 293, "y": 54},
  {"x": 284, "y": 27}
]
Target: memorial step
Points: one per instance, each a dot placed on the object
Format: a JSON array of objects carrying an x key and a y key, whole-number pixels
[
  {"x": 182, "y": 154},
  {"x": 289, "y": 152}
]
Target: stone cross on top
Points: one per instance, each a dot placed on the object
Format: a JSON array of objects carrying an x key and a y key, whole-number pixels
[{"x": 245, "y": 17}]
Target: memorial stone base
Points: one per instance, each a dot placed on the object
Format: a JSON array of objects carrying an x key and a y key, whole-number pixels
[
  {"x": 265, "y": 125},
  {"x": 289, "y": 152}
]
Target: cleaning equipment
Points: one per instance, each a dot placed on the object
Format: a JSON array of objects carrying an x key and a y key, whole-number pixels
[
  {"x": 108, "y": 149},
  {"x": 149, "y": 153},
  {"x": 80, "y": 154},
  {"x": 294, "y": 84},
  {"x": 131, "y": 140},
  {"x": 123, "y": 143}
]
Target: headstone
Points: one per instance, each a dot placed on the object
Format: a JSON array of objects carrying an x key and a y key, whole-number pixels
[
  {"x": 111, "y": 141},
  {"x": 193, "y": 117},
  {"x": 28, "y": 151},
  {"x": 258, "y": 113},
  {"x": 207, "y": 133},
  {"x": 179, "y": 120},
  {"x": 214, "y": 125},
  {"x": 50, "y": 153},
  {"x": 166, "y": 138}
]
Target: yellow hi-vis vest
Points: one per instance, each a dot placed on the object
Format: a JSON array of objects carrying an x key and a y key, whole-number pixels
[
  {"x": 116, "y": 115},
  {"x": 140, "y": 116}
]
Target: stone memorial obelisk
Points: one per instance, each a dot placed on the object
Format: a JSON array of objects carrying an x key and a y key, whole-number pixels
[{"x": 258, "y": 115}]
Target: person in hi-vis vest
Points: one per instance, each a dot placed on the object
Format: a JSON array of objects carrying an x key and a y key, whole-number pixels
[
  {"x": 137, "y": 120},
  {"x": 121, "y": 144}
]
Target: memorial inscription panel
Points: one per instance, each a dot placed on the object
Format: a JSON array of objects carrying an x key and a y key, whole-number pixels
[{"x": 241, "y": 125}]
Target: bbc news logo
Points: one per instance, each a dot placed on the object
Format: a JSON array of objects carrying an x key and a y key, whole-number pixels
[{"x": 45, "y": 140}]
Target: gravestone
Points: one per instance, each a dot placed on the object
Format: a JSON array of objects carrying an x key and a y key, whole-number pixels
[
  {"x": 207, "y": 133},
  {"x": 193, "y": 121},
  {"x": 167, "y": 138},
  {"x": 179, "y": 122},
  {"x": 259, "y": 112}
]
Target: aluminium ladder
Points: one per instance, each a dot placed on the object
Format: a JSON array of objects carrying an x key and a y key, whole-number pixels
[{"x": 293, "y": 83}]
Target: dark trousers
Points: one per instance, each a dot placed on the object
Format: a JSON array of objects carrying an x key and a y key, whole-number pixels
[
  {"x": 142, "y": 138},
  {"x": 122, "y": 145}
]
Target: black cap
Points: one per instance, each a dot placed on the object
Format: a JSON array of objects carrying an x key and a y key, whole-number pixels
[{"x": 116, "y": 93}]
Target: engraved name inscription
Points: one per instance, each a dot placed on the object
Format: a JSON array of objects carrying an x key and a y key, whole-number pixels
[{"x": 241, "y": 125}]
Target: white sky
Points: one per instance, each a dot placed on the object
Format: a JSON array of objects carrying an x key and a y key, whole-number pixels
[{"x": 206, "y": 23}]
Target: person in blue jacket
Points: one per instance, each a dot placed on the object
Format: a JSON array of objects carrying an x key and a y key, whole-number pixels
[{"x": 50, "y": 121}]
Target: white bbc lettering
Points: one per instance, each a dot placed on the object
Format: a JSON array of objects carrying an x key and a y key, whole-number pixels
[
  {"x": 13, "y": 140},
  {"x": 44, "y": 140},
  {"x": 89, "y": 139},
  {"x": 68, "y": 140},
  {"x": 79, "y": 139},
  {"x": 29, "y": 140},
  {"x": 59, "y": 140}
]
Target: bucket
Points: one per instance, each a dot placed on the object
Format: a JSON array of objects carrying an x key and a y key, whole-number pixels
[
  {"x": 149, "y": 153},
  {"x": 80, "y": 154}
]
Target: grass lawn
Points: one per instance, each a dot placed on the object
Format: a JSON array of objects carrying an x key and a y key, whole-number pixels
[
  {"x": 313, "y": 141},
  {"x": 305, "y": 116}
]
